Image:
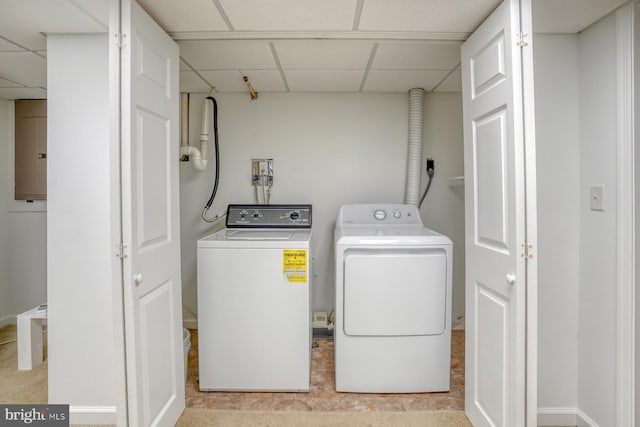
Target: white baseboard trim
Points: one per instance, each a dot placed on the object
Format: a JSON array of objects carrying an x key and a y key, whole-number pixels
[
  {"x": 458, "y": 323},
  {"x": 93, "y": 415},
  {"x": 584, "y": 420},
  {"x": 8, "y": 320},
  {"x": 557, "y": 417},
  {"x": 564, "y": 417},
  {"x": 190, "y": 323}
]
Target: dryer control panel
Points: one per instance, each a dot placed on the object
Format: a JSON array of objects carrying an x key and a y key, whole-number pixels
[
  {"x": 268, "y": 216},
  {"x": 379, "y": 214}
]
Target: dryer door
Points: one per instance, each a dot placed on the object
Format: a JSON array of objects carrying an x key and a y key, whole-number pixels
[{"x": 395, "y": 292}]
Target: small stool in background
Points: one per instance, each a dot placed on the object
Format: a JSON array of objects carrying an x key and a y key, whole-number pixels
[{"x": 30, "y": 337}]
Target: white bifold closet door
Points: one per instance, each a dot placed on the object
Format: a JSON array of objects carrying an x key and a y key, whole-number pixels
[{"x": 500, "y": 220}]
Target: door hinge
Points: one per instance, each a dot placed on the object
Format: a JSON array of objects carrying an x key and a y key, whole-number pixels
[
  {"x": 522, "y": 40},
  {"x": 527, "y": 250},
  {"x": 121, "y": 250},
  {"x": 121, "y": 40}
]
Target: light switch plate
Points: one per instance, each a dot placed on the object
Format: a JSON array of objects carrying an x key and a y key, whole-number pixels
[{"x": 596, "y": 196}]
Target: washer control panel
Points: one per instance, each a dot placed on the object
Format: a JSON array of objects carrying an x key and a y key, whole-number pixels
[
  {"x": 268, "y": 216},
  {"x": 388, "y": 214}
]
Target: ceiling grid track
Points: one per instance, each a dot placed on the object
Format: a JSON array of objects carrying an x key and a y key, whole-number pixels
[
  {"x": 357, "y": 15},
  {"x": 197, "y": 74},
  {"x": 276, "y": 59},
  {"x": 23, "y": 48},
  {"x": 372, "y": 56},
  {"x": 223, "y": 14},
  {"x": 445, "y": 78},
  {"x": 86, "y": 11}
]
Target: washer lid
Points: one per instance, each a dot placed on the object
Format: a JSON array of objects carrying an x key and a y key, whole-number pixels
[{"x": 271, "y": 237}]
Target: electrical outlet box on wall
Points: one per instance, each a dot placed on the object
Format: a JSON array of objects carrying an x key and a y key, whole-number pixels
[{"x": 320, "y": 319}]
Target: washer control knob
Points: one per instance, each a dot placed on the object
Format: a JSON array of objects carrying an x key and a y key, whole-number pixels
[
  {"x": 379, "y": 214},
  {"x": 397, "y": 214},
  {"x": 293, "y": 216}
]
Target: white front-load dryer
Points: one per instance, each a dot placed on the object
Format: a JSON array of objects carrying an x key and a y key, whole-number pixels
[{"x": 393, "y": 301}]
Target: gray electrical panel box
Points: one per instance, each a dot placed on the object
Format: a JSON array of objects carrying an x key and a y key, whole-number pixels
[{"x": 31, "y": 149}]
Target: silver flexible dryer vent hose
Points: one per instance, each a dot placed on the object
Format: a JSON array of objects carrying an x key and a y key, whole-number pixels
[{"x": 414, "y": 156}]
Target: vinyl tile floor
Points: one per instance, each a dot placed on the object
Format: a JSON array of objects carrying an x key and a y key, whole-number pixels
[{"x": 322, "y": 396}]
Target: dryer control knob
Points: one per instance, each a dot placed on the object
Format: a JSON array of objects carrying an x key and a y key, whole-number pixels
[
  {"x": 379, "y": 214},
  {"x": 397, "y": 214}
]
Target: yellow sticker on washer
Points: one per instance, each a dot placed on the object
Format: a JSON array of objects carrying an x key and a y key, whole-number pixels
[{"x": 294, "y": 264}]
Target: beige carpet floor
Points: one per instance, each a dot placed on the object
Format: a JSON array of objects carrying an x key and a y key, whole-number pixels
[
  {"x": 31, "y": 387},
  {"x": 19, "y": 386}
]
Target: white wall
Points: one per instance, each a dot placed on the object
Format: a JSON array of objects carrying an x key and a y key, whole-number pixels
[
  {"x": 576, "y": 148},
  {"x": 443, "y": 208},
  {"x": 597, "y": 293},
  {"x": 6, "y": 307},
  {"x": 558, "y": 173},
  {"x": 27, "y": 259},
  {"x": 329, "y": 149},
  {"x": 81, "y": 363}
]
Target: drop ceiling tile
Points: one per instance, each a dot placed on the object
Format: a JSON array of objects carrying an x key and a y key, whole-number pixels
[
  {"x": 96, "y": 9},
  {"x": 25, "y": 68},
  {"x": 453, "y": 83},
  {"x": 290, "y": 15},
  {"x": 225, "y": 81},
  {"x": 324, "y": 54},
  {"x": 185, "y": 15},
  {"x": 23, "y": 21},
  {"x": 324, "y": 80},
  {"x": 425, "y": 15},
  {"x": 417, "y": 55},
  {"x": 265, "y": 80},
  {"x": 6, "y": 46},
  {"x": 402, "y": 80},
  {"x": 22, "y": 93},
  {"x": 227, "y": 54},
  {"x": 184, "y": 65},
  {"x": 191, "y": 82},
  {"x": 8, "y": 83},
  {"x": 569, "y": 16}
]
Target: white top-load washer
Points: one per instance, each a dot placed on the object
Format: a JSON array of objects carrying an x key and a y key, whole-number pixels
[
  {"x": 254, "y": 300},
  {"x": 393, "y": 301}
]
